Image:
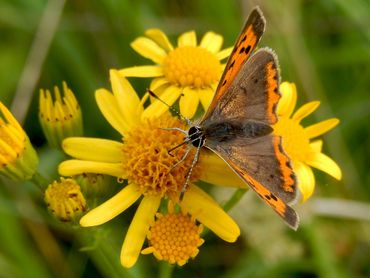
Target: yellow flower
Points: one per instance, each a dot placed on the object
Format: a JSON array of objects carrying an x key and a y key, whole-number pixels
[
  {"x": 18, "y": 159},
  {"x": 59, "y": 118},
  {"x": 189, "y": 71},
  {"x": 297, "y": 140},
  {"x": 143, "y": 160},
  {"x": 174, "y": 237},
  {"x": 65, "y": 199}
]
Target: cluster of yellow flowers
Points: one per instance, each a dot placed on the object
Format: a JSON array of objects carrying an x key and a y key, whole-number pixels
[{"x": 188, "y": 72}]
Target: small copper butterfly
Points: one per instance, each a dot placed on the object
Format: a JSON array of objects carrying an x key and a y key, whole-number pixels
[{"x": 237, "y": 125}]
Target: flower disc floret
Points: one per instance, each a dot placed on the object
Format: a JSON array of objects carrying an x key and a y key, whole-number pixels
[
  {"x": 192, "y": 66},
  {"x": 149, "y": 164}
]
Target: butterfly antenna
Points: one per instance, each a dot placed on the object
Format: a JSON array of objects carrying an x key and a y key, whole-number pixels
[{"x": 170, "y": 107}]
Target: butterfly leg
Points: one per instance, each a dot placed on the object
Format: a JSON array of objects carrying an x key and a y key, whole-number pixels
[
  {"x": 188, "y": 175},
  {"x": 182, "y": 158}
]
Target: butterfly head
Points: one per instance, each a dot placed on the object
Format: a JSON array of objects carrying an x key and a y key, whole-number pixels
[{"x": 196, "y": 136}]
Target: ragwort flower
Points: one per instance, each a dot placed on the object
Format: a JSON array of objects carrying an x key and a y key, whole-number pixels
[
  {"x": 189, "y": 71},
  {"x": 143, "y": 160},
  {"x": 297, "y": 140}
]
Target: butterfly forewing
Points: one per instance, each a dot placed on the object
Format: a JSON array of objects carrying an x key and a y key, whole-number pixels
[
  {"x": 254, "y": 94},
  {"x": 244, "y": 46}
]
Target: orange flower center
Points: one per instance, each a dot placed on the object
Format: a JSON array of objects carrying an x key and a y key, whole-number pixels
[
  {"x": 175, "y": 238},
  {"x": 192, "y": 66},
  {"x": 148, "y": 163}
]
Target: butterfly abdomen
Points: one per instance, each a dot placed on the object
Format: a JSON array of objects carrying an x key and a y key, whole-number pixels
[
  {"x": 253, "y": 129},
  {"x": 228, "y": 130}
]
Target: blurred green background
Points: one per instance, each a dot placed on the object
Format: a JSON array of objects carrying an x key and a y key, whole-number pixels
[{"x": 323, "y": 46}]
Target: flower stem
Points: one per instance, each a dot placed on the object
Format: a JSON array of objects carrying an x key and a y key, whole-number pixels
[
  {"x": 165, "y": 270},
  {"x": 40, "y": 181},
  {"x": 234, "y": 199}
]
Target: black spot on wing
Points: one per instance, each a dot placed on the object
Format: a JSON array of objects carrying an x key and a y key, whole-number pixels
[
  {"x": 231, "y": 64},
  {"x": 243, "y": 39}
]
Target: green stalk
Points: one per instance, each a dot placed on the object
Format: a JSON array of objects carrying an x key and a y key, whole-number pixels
[
  {"x": 234, "y": 199},
  {"x": 165, "y": 270},
  {"x": 40, "y": 181},
  {"x": 323, "y": 258}
]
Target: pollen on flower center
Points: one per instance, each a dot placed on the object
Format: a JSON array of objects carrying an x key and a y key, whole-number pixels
[
  {"x": 295, "y": 141},
  {"x": 175, "y": 238},
  {"x": 148, "y": 163},
  {"x": 192, "y": 66}
]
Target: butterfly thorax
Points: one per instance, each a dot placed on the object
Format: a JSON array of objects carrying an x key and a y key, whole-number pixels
[{"x": 229, "y": 130}]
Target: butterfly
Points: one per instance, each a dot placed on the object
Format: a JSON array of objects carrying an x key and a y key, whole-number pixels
[{"x": 238, "y": 123}]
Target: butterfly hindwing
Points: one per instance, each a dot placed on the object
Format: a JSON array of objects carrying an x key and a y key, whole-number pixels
[
  {"x": 244, "y": 46},
  {"x": 256, "y": 162},
  {"x": 263, "y": 159}
]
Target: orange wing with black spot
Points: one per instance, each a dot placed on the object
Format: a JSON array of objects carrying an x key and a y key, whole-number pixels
[
  {"x": 276, "y": 203},
  {"x": 254, "y": 93},
  {"x": 244, "y": 46}
]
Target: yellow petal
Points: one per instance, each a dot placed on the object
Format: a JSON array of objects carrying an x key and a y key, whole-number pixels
[
  {"x": 157, "y": 108},
  {"x": 189, "y": 102},
  {"x": 127, "y": 99},
  {"x": 217, "y": 172},
  {"x": 325, "y": 164},
  {"x": 138, "y": 230},
  {"x": 112, "y": 207},
  {"x": 94, "y": 149},
  {"x": 142, "y": 71},
  {"x": 210, "y": 214},
  {"x": 305, "y": 110},
  {"x": 205, "y": 96},
  {"x": 224, "y": 53},
  {"x": 288, "y": 99},
  {"x": 75, "y": 167},
  {"x": 109, "y": 108},
  {"x": 9, "y": 117},
  {"x": 160, "y": 38},
  {"x": 212, "y": 42},
  {"x": 149, "y": 49},
  {"x": 187, "y": 39},
  {"x": 158, "y": 82},
  {"x": 320, "y": 128},
  {"x": 316, "y": 145},
  {"x": 306, "y": 179}
]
